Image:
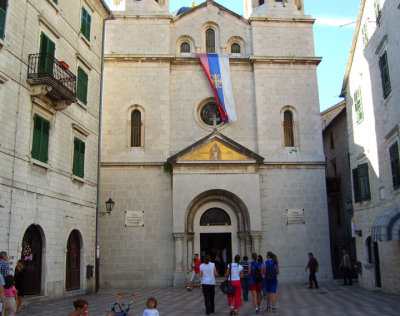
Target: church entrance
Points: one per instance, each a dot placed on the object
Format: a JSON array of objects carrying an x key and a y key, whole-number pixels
[{"x": 219, "y": 247}]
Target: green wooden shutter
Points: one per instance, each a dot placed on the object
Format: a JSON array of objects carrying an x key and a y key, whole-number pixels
[
  {"x": 395, "y": 165},
  {"x": 358, "y": 106},
  {"x": 82, "y": 86},
  {"x": 356, "y": 186},
  {"x": 85, "y": 23},
  {"x": 40, "y": 139},
  {"x": 385, "y": 77},
  {"x": 363, "y": 175},
  {"x": 47, "y": 51},
  {"x": 3, "y": 14},
  {"x": 79, "y": 158}
]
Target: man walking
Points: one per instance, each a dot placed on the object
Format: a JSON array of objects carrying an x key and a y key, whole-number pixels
[
  {"x": 245, "y": 279},
  {"x": 4, "y": 269},
  {"x": 346, "y": 266},
  {"x": 313, "y": 266},
  {"x": 196, "y": 272}
]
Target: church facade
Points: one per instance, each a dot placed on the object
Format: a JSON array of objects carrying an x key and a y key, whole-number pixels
[{"x": 183, "y": 180}]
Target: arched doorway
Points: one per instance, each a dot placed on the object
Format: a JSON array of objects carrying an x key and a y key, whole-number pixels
[
  {"x": 218, "y": 242},
  {"x": 32, "y": 245},
  {"x": 73, "y": 262}
]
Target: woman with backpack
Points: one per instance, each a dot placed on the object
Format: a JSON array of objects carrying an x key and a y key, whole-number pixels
[
  {"x": 271, "y": 271},
  {"x": 255, "y": 281}
]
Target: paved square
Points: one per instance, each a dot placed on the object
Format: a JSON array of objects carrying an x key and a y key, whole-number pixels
[{"x": 332, "y": 299}]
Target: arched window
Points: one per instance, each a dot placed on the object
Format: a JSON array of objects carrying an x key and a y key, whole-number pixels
[
  {"x": 136, "y": 128},
  {"x": 185, "y": 47},
  {"x": 215, "y": 217},
  {"x": 235, "y": 48},
  {"x": 210, "y": 40},
  {"x": 288, "y": 129}
]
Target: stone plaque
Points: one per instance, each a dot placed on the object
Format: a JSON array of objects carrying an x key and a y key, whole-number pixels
[
  {"x": 295, "y": 216},
  {"x": 134, "y": 218}
]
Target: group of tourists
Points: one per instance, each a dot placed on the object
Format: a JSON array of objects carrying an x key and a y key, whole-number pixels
[
  {"x": 11, "y": 286},
  {"x": 256, "y": 276}
]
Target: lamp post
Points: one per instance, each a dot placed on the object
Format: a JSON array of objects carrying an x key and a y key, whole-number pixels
[{"x": 109, "y": 207}]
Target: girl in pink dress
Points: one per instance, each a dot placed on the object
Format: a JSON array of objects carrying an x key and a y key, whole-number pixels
[{"x": 11, "y": 294}]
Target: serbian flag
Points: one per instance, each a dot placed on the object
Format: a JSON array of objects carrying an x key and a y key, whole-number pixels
[{"x": 216, "y": 67}]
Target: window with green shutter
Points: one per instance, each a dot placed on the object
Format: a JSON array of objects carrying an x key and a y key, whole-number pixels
[
  {"x": 78, "y": 167},
  {"x": 395, "y": 165},
  {"x": 82, "y": 86},
  {"x": 85, "y": 23},
  {"x": 358, "y": 108},
  {"x": 3, "y": 14},
  {"x": 46, "y": 57},
  {"x": 55, "y": 1},
  {"x": 385, "y": 77},
  {"x": 361, "y": 183},
  {"x": 40, "y": 139}
]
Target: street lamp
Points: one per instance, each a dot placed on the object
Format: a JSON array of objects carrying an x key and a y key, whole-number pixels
[{"x": 109, "y": 207}]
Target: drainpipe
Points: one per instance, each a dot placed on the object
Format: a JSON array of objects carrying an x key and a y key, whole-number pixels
[{"x": 97, "y": 246}]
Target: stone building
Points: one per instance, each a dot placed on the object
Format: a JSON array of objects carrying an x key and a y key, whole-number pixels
[
  {"x": 338, "y": 184},
  {"x": 372, "y": 102},
  {"x": 50, "y": 75},
  {"x": 185, "y": 182}
]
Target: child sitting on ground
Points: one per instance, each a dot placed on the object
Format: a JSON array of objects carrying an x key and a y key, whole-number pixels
[{"x": 151, "y": 307}]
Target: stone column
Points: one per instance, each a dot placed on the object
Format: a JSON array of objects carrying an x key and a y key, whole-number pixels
[
  {"x": 179, "y": 275},
  {"x": 255, "y": 241},
  {"x": 242, "y": 242},
  {"x": 190, "y": 239}
]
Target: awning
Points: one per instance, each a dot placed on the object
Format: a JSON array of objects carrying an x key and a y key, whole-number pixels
[{"x": 387, "y": 226}]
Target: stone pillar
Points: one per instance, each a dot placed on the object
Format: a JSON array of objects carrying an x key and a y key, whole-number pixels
[
  {"x": 255, "y": 241},
  {"x": 190, "y": 240},
  {"x": 179, "y": 275},
  {"x": 242, "y": 242}
]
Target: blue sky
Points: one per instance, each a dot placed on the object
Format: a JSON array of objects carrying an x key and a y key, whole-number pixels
[{"x": 332, "y": 39}]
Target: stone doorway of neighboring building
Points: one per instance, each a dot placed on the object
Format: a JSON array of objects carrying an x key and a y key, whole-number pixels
[
  {"x": 73, "y": 262},
  {"x": 32, "y": 245},
  {"x": 219, "y": 247}
]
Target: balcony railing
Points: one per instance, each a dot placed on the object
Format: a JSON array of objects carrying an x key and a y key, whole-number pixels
[{"x": 45, "y": 69}]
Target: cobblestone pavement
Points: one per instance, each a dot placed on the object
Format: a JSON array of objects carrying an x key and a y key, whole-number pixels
[{"x": 330, "y": 299}]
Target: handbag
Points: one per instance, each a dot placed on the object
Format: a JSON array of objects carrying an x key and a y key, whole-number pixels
[{"x": 226, "y": 286}]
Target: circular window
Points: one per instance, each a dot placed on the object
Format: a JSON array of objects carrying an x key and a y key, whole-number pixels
[{"x": 209, "y": 113}]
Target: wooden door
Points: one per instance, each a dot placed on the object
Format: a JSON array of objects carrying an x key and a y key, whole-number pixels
[
  {"x": 33, "y": 263},
  {"x": 73, "y": 269}
]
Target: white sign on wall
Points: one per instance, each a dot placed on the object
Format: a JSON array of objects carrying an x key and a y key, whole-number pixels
[
  {"x": 134, "y": 218},
  {"x": 295, "y": 216}
]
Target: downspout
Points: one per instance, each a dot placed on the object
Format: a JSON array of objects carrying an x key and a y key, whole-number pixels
[{"x": 97, "y": 246}]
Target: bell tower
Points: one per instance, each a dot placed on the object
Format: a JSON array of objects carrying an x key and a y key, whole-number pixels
[{"x": 273, "y": 8}]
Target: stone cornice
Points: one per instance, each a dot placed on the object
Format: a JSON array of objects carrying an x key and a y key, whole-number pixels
[
  {"x": 195, "y": 60},
  {"x": 141, "y": 16},
  {"x": 284, "y": 20}
]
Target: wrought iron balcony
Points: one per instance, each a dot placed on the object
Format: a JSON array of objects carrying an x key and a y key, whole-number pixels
[{"x": 56, "y": 81}]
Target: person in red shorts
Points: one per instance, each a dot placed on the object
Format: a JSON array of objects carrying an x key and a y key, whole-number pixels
[
  {"x": 255, "y": 285},
  {"x": 196, "y": 272}
]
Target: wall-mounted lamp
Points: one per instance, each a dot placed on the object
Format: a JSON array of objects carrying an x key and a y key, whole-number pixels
[
  {"x": 109, "y": 207},
  {"x": 349, "y": 205},
  {"x": 359, "y": 232}
]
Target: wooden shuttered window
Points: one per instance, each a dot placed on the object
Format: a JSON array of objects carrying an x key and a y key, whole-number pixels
[
  {"x": 358, "y": 108},
  {"x": 78, "y": 167},
  {"x": 40, "y": 139},
  {"x": 82, "y": 85},
  {"x": 288, "y": 131},
  {"x": 361, "y": 186},
  {"x": 3, "y": 14},
  {"x": 210, "y": 41},
  {"x": 47, "y": 51},
  {"x": 395, "y": 165},
  {"x": 385, "y": 77},
  {"x": 136, "y": 128},
  {"x": 85, "y": 23}
]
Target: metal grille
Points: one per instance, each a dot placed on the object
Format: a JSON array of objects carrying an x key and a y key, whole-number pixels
[
  {"x": 288, "y": 129},
  {"x": 136, "y": 128}
]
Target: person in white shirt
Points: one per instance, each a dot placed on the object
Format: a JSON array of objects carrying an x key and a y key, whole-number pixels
[
  {"x": 207, "y": 274},
  {"x": 151, "y": 307},
  {"x": 234, "y": 272}
]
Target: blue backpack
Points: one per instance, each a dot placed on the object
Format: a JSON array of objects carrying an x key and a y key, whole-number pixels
[
  {"x": 271, "y": 272},
  {"x": 257, "y": 276}
]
